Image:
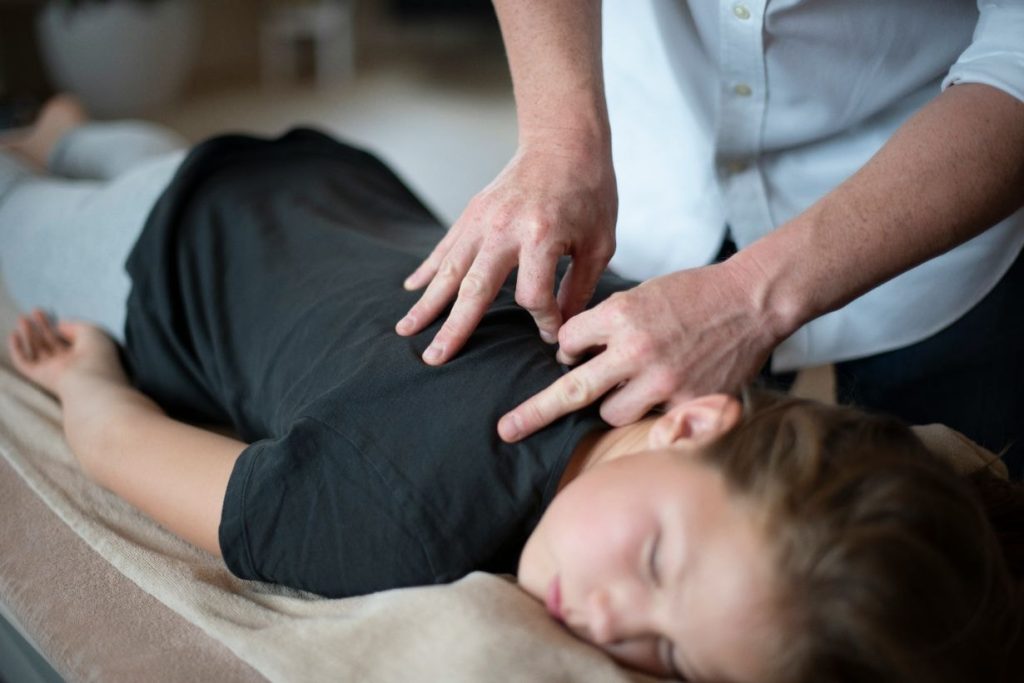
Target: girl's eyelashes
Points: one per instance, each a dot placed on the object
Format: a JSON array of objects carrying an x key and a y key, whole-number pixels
[
  {"x": 668, "y": 660},
  {"x": 652, "y": 559}
]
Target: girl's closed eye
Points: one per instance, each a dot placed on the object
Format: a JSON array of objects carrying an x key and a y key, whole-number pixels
[{"x": 666, "y": 648}]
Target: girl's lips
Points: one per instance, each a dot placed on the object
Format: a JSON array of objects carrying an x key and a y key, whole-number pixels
[{"x": 554, "y": 599}]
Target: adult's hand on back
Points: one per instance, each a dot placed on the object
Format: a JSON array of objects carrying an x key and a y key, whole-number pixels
[
  {"x": 665, "y": 341},
  {"x": 556, "y": 197}
]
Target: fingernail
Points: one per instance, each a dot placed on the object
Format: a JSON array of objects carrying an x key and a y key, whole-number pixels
[
  {"x": 510, "y": 427},
  {"x": 432, "y": 354},
  {"x": 547, "y": 337},
  {"x": 409, "y": 283},
  {"x": 404, "y": 325}
]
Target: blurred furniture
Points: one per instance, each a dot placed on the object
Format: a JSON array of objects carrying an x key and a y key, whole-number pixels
[
  {"x": 121, "y": 57},
  {"x": 326, "y": 25}
]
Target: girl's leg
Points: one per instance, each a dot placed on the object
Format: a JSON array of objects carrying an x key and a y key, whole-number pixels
[
  {"x": 104, "y": 150},
  {"x": 63, "y": 243},
  {"x": 13, "y": 172}
]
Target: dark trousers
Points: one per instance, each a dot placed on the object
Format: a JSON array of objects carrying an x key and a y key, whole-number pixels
[{"x": 969, "y": 376}]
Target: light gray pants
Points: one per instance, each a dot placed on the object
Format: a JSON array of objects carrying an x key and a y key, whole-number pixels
[{"x": 64, "y": 237}]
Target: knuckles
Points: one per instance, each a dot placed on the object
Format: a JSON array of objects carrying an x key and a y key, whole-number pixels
[
  {"x": 639, "y": 349},
  {"x": 574, "y": 391},
  {"x": 604, "y": 249},
  {"x": 472, "y": 287},
  {"x": 448, "y": 270},
  {"x": 537, "y": 231},
  {"x": 565, "y": 334},
  {"x": 531, "y": 300}
]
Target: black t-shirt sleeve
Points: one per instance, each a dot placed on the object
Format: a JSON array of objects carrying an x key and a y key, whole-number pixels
[{"x": 310, "y": 510}]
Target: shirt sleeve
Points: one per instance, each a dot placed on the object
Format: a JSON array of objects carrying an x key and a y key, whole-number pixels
[{"x": 995, "y": 56}]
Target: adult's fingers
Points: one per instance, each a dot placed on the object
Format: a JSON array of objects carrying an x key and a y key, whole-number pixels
[
  {"x": 635, "y": 399},
  {"x": 578, "y": 284},
  {"x": 577, "y": 389},
  {"x": 476, "y": 292},
  {"x": 426, "y": 271},
  {"x": 535, "y": 291},
  {"x": 439, "y": 292},
  {"x": 581, "y": 335}
]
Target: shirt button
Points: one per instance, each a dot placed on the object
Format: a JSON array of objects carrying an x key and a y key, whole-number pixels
[
  {"x": 742, "y": 89},
  {"x": 741, "y": 12}
]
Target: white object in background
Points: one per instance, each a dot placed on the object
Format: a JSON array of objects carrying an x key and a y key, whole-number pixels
[
  {"x": 327, "y": 24},
  {"x": 121, "y": 58}
]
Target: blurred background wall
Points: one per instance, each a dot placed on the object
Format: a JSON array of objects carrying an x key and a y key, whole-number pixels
[{"x": 423, "y": 83}]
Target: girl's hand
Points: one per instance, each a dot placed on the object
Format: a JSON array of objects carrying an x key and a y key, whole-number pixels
[{"x": 49, "y": 354}]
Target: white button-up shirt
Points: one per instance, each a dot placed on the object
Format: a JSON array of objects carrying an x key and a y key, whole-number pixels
[{"x": 745, "y": 112}]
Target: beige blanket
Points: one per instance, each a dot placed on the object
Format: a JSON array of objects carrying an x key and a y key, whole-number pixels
[{"x": 480, "y": 628}]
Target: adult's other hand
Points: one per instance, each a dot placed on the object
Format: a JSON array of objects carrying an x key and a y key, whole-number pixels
[
  {"x": 552, "y": 199},
  {"x": 667, "y": 340}
]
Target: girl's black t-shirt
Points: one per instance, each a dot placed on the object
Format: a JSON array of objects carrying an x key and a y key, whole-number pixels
[{"x": 266, "y": 286}]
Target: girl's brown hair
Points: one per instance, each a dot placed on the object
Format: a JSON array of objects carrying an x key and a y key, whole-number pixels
[{"x": 890, "y": 568}]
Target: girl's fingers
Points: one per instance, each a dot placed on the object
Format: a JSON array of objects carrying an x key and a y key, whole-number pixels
[
  {"x": 63, "y": 341},
  {"x": 16, "y": 349},
  {"x": 26, "y": 338},
  {"x": 51, "y": 340},
  {"x": 68, "y": 331},
  {"x": 37, "y": 322}
]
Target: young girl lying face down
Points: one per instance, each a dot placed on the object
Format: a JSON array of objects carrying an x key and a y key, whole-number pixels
[{"x": 762, "y": 539}]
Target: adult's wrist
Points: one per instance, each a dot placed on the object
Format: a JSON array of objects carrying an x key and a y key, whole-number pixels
[
  {"x": 571, "y": 160},
  {"x": 771, "y": 283},
  {"x": 583, "y": 135}
]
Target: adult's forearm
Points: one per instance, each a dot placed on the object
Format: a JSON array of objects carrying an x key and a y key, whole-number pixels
[
  {"x": 554, "y": 54},
  {"x": 949, "y": 173}
]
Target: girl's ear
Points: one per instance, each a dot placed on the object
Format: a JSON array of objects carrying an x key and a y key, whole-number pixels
[{"x": 695, "y": 422}]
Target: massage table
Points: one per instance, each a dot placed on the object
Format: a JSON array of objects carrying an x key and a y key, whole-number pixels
[{"x": 91, "y": 590}]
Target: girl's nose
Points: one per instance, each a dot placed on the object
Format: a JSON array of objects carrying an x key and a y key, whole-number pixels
[
  {"x": 614, "y": 615},
  {"x": 599, "y": 617}
]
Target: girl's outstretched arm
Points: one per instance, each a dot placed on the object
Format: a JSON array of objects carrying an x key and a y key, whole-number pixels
[{"x": 173, "y": 472}]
